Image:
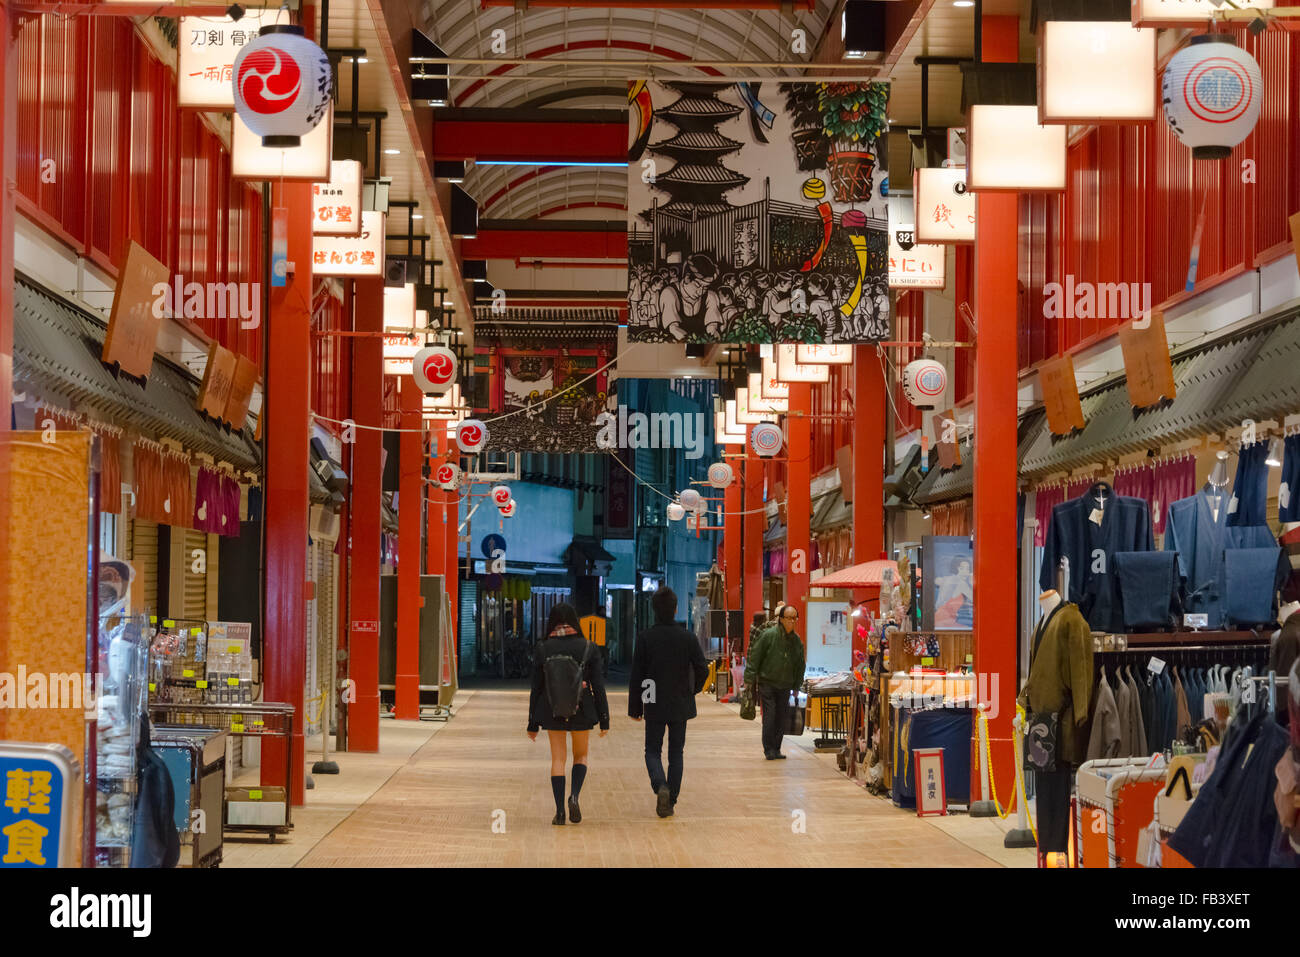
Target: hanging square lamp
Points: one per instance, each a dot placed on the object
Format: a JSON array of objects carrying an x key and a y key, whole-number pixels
[
  {"x": 1008, "y": 149},
  {"x": 840, "y": 354},
  {"x": 945, "y": 208},
  {"x": 1094, "y": 66},
  {"x": 788, "y": 368}
]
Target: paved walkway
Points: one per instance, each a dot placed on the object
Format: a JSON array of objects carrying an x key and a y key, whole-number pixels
[{"x": 476, "y": 792}]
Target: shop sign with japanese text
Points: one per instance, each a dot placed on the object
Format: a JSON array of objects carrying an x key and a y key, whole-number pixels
[
  {"x": 361, "y": 255},
  {"x": 206, "y": 48},
  {"x": 35, "y": 819}
]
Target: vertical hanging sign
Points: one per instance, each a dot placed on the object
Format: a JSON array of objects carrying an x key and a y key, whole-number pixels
[{"x": 279, "y": 245}]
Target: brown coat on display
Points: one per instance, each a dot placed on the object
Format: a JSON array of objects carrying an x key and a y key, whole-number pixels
[{"x": 1060, "y": 677}]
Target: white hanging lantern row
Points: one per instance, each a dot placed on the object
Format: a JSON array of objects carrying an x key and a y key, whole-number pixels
[
  {"x": 1212, "y": 90},
  {"x": 501, "y": 495},
  {"x": 447, "y": 475},
  {"x": 434, "y": 369},
  {"x": 283, "y": 85},
  {"x": 675, "y": 512},
  {"x": 508, "y": 510},
  {"x": 924, "y": 382},
  {"x": 471, "y": 436},
  {"x": 691, "y": 498},
  {"x": 720, "y": 475},
  {"x": 766, "y": 440}
]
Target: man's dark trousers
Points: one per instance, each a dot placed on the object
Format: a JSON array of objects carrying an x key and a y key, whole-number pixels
[
  {"x": 776, "y": 716},
  {"x": 654, "y": 746}
]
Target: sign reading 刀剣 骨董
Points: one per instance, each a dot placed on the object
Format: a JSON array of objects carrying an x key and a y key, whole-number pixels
[{"x": 206, "y": 48}]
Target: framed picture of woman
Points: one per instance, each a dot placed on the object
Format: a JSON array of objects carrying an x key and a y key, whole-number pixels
[{"x": 948, "y": 596}]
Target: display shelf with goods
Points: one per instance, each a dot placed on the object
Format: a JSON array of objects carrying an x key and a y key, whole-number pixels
[
  {"x": 264, "y": 810},
  {"x": 123, "y": 658}
]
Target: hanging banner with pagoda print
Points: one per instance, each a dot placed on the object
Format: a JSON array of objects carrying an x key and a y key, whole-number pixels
[{"x": 756, "y": 212}]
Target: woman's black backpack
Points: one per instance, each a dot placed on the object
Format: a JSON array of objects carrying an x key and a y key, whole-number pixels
[{"x": 563, "y": 675}]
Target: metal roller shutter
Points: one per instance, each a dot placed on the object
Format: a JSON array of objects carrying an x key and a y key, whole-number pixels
[
  {"x": 327, "y": 624},
  {"x": 144, "y": 558},
  {"x": 196, "y": 584}
]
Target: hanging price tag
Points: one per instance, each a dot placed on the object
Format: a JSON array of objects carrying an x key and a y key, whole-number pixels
[
  {"x": 168, "y": 623},
  {"x": 255, "y": 795},
  {"x": 234, "y": 649},
  {"x": 236, "y": 727},
  {"x": 187, "y": 673},
  {"x": 233, "y": 682},
  {"x": 1155, "y": 666},
  {"x": 200, "y": 684}
]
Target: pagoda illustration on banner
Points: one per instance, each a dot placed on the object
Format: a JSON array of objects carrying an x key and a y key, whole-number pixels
[{"x": 734, "y": 241}]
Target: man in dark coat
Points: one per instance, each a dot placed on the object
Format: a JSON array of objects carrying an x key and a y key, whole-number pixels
[
  {"x": 668, "y": 671},
  {"x": 776, "y": 663}
]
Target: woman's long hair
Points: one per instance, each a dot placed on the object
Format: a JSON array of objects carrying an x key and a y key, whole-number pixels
[{"x": 563, "y": 614}]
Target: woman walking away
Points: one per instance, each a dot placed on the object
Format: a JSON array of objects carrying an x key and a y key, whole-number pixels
[{"x": 568, "y": 697}]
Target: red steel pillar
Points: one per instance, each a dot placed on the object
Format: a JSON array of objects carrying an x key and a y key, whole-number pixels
[
  {"x": 798, "y": 506},
  {"x": 733, "y": 503},
  {"x": 754, "y": 525},
  {"x": 288, "y": 384},
  {"x": 995, "y": 442},
  {"x": 435, "y": 538},
  {"x": 364, "y": 511},
  {"x": 869, "y": 408},
  {"x": 409, "y": 499},
  {"x": 451, "y": 550}
]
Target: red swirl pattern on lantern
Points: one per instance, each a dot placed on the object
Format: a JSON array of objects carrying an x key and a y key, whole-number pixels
[{"x": 269, "y": 80}]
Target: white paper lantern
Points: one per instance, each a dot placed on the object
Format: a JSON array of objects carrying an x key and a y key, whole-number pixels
[
  {"x": 1212, "y": 90},
  {"x": 283, "y": 85},
  {"x": 447, "y": 475},
  {"x": 500, "y": 495},
  {"x": 720, "y": 475},
  {"x": 691, "y": 499},
  {"x": 471, "y": 435},
  {"x": 924, "y": 382},
  {"x": 434, "y": 369},
  {"x": 766, "y": 440},
  {"x": 508, "y": 510},
  {"x": 675, "y": 512}
]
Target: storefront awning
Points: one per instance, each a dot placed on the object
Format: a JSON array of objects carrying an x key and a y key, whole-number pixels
[
  {"x": 939, "y": 485},
  {"x": 57, "y": 351},
  {"x": 1251, "y": 375},
  {"x": 833, "y": 512},
  {"x": 775, "y": 532}
]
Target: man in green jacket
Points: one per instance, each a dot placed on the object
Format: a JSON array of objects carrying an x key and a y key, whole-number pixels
[{"x": 776, "y": 663}]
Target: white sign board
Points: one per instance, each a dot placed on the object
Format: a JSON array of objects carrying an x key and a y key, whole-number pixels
[
  {"x": 914, "y": 265},
  {"x": 830, "y": 646},
  {"x": 1191, "y": 12},
  {"x": 206, "y": 48},
  {"x": 360, "y": 255},
  {"x": 336, "y": 205},
  {"x": 309, "y": 161},
  {"x": 945, "y": 208}
]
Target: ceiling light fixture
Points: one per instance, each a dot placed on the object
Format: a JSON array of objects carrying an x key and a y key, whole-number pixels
[{"x": 391, "y": 152}]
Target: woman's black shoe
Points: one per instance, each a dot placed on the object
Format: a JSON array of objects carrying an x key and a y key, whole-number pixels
[
  {"x": 559, "y": 818},
  {"x": 575, "y": 812}
]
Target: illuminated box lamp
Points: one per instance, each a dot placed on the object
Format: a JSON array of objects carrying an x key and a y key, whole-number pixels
[
  {"x": 862, "y": 28},
  {"x": 336, "y": 204},
  {"x": 788, "y": 368},
  {"x": 309, "y": 161},
  {"x": 1094, "y": 66},
  {"x": 773, "y": 388},
  {"x": 839, "y": 354},
  {"x": 945, "y": 208},
  {"x": 399, "y": 306},
  {"x": 1008, "y": 149},
  {"x": 720, "y": 433}
]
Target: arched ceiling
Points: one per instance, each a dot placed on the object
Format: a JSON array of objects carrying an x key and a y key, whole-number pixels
[{"x": 674, "y": 35}]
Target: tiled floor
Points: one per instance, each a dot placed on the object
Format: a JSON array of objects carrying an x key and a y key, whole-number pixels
[{"x": 476, "y": 792}]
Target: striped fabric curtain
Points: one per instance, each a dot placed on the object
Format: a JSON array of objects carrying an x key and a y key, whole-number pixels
[{"x": 110, "y": 467}]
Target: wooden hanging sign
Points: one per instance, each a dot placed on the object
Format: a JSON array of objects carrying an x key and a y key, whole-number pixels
[
  {"x": 1295, "y": 235},
  {"x": 241, "y": 392},
  {"x": 945, "y": 439},
  {"x": 1061, "y": 395},
  {"x": 1147, "y": 365},
  {"x": 135, "y": 320},
  {"x": 218, "y": 377}
]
